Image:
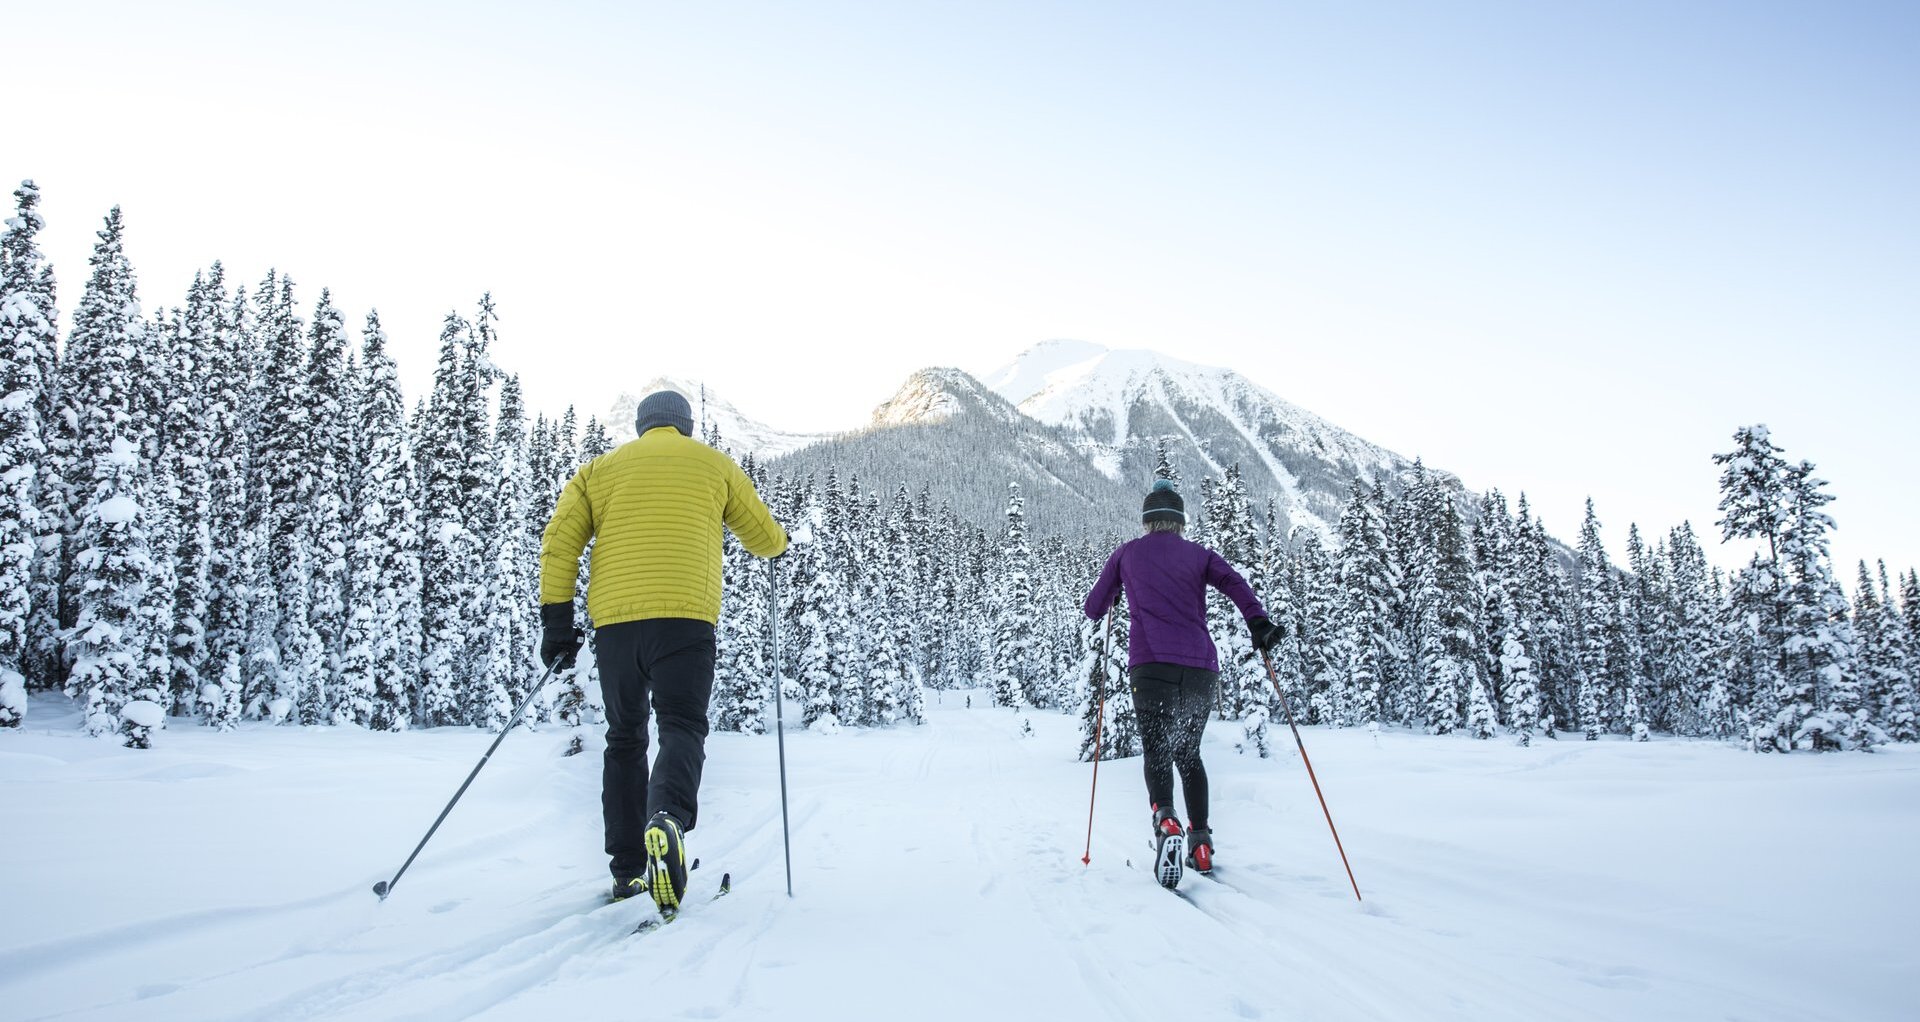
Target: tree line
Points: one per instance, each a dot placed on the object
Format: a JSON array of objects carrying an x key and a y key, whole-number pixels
[{"x": 226, "y": 511}]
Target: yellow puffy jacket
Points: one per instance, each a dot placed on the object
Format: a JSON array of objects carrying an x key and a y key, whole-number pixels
[{"x": 653, "y": 507}]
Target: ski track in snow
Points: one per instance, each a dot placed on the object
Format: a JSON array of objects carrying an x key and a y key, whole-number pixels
[{"x": 937, "y": 876}]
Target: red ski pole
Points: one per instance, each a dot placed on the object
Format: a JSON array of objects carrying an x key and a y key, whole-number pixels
[
  {"x": 1268, "y": 660},
  {"x": 1106, "y": 645}
]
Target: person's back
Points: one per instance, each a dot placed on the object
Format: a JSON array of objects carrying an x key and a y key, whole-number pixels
[
  {"x": 1166, "y": 577},
  {"x": 654, "y": 508}
]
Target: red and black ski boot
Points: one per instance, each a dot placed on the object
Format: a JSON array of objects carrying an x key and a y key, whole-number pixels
[
  {"x": 1200, "y": 850},
  {"x": 1169, "y": 847}
]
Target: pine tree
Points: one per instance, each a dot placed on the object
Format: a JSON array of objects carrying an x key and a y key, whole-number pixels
[
  {"x": 96, "y": 400},
  {"x": 1753, "y": 505},
  {"x": 26, "y": 383},
  {"x": 329, "y": 502},
  {"x": 1480, "y": 717},
  {"x": 381, "y": 646},
  {"x": 1163, "y": 460},
  {"x": 1542, "y": 600},
  {"x": 1321, "y": 626},
  {"x": 1910, "y": 611},
  {"x": 1600, "y": 674},
  {"x": 446, "y": 556},
  {"x": 1823, "y": 677},
  {"x": 1457, "y": 665},
  {"x": 109, "y": 581},
  {"x": 261, "y": 677},
  {"x": 506, "y": 670},
  {"x": 187, "y": 459},
  {"x": 1370, "y": 587},
  {"x": 820, "y": 607},
  {"x": 1243, "y": 684},
  {"x": 742, "y": 683},
  {"x": 287, "y": 492},
  {"x": 1722, "y": 714},
  {"x": 1520, "y": 689},
  {"x": 229, "y": 426},
  {"x": 1890, "y": 662},
  {"x": 889, "y": 588},
  {"x": 1103, "y": 687},
  {"x": 1015, "y": 646}
]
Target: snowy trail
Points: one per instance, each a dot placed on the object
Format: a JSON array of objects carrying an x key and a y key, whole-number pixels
[{"x": 937, "y": 875}]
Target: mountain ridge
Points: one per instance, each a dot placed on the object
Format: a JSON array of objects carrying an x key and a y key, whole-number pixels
[{"x": 1080, "y": 427}]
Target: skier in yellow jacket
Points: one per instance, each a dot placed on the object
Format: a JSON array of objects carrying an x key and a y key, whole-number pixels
[{"x": 654, "y": 507}]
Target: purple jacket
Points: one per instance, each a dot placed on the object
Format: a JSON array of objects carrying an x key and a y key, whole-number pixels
[{"x": 1166, "y": 578}]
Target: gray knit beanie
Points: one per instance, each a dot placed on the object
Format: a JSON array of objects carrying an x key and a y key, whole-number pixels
[
  {"x": 663, "y": 408},
  {"x": 1163, "y": 503}
]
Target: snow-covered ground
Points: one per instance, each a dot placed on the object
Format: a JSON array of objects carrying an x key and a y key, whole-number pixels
[{"x": 937, "y": 875}]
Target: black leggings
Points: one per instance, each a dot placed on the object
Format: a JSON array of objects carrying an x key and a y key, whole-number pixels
[{"x": 1172, "y": 703}]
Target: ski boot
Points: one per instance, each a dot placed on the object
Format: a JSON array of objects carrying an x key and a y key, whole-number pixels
[
  {"x": 666, "y": 863},
  {"x": 1200, "y": 850},
  {"x": 628, "y": 887},
  {"x": 1169, "y": 847}
]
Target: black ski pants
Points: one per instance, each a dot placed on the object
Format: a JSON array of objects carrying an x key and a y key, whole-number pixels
[
  {"x": 665, "y": 664},
  {"x": 1172, "y": 703}
]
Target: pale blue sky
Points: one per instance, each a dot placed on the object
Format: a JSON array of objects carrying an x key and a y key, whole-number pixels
[{"x": 1559, "y": 248}]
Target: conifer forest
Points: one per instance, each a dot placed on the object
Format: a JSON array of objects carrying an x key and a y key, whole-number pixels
[{"x": 225, "y": 511}]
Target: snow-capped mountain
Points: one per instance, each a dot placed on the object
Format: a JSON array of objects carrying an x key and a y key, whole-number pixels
[
  {"x": 739, "y": 432},
  {"x": 1077, "y": 426},
  {"x": 1120, "y": 404}
]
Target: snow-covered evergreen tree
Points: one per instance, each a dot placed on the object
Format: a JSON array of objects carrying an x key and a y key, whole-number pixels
[
  {"x": 447, "y": 558},
  {"x": 229, "y": 422},
  {"x": 97, "y": 399},
  {"x": 1543, "y": 600},
  {"x": 1015, "y": 646},
  {"x": 1481, "y": 722},
  {"x": 186, "y": 458},
  {"x": 743, "y": 682},
  {"x": 1599, "y": 628},
  {"x": 1887, "y": 657},
  {"x": 381, "y": 645},
  {"x": 1521, "y": 691},
  {"x": 329, "y": 500},
  {"x": 1753, "y": 505},
  {"x": 1371, "y": 595},
  {"x": 111, "y": 566},
  {"x": 26, "y": 381},
  {"x": 1103, "y": 688},
  {"x": 505, "y": 672},
  {"x": 261, "y": 678},
  {"x": 1819, "y": 647}
]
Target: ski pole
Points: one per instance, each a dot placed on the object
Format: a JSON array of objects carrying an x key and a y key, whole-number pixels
[
  {"x": 1268, "y": 660},
  {"x": 1106, "y": 646},
  {"x": 384, "y": 887},
  {"x": 779, "y": 709}
]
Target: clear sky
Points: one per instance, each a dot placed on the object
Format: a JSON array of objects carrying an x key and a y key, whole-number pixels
[{"x": 1557, "y": 248}]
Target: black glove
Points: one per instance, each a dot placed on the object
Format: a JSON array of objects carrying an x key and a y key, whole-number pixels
[
  {"x": 1265, "y": 633},
  {"x": 559, "y": 639}
]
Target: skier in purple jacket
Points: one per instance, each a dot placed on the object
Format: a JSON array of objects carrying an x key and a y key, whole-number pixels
[{"x": 1172, "y": 666}]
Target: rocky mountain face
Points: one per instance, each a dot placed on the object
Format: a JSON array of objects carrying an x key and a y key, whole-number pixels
[
  {"x": 946, "y": 432},
  {"x": 1121, "y": 406}
]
